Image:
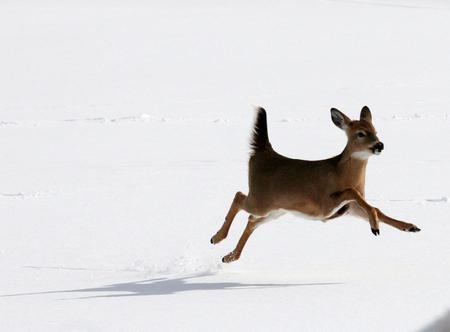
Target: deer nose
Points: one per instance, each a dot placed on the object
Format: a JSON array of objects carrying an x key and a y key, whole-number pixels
[{"x": 379, "y": 146}]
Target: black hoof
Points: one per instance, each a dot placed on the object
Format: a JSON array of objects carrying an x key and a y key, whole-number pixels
[
  {"x": 223, "y": 260},
  {"x": 375, "y": 231},
  {"x": 414, "y": 229}
]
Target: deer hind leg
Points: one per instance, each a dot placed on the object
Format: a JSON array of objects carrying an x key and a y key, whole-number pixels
[
  {"x": 237, "y": 205},
  {"x": 252, "y": 224}
]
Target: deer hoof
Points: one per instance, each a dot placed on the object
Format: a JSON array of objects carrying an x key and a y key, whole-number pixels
[
  {"x": 231, "y": 257},
  {"x": 375, "y": 231},
  {"x": 414, "y": 229},
  {"x": 216, "y": 238}
]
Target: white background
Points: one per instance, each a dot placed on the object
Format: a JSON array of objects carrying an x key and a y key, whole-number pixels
[{"x": 124, "y": 136}]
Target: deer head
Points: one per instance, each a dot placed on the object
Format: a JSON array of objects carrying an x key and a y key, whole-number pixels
[{"x": 362, "y": 140}]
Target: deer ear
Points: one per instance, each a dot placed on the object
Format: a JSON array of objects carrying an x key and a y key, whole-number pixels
[
  {"x": 365, "y": 114},
  {"x": 339, "y": 119}
]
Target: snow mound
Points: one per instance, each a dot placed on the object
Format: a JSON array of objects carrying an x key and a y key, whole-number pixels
[
  {"x": 442, "y": 199},
  {"x": 191, "y": 262}
]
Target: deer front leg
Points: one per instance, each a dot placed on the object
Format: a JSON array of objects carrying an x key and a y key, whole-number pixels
[
  {"x": 356, "y": 211},
  {"x": 401, "y": 225},
  {"x": 253, "y": 222},
  {"x": 353, "y": 195},
  {"x": 369, "y": 212}
]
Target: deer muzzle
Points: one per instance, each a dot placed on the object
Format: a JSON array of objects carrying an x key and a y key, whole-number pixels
[{"x": 378, "y": 147}]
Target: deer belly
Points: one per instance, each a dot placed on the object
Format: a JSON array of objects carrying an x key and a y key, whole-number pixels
[
  {"x": 303, "y": 214},
  {"x": 311, "y": 215},
  {"x": 275, "y": 214}
]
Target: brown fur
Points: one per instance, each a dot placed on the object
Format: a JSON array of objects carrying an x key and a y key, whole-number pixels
[{"x": 322, "y": 189}]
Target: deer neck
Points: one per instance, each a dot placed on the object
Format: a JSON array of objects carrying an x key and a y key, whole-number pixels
[{"x": 352, "y": 170}]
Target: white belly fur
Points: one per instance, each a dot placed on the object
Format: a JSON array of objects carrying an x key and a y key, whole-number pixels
[{"x": 278, "y": 213}]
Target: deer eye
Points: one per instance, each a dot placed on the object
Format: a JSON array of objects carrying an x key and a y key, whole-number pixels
[{"x": 361, "y": 134}]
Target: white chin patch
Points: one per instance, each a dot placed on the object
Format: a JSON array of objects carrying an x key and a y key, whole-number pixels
[
  {"x": 377, "y": 152},
  {"x": 362, "y": 155}
]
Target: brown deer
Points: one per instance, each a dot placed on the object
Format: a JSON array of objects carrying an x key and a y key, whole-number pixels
[{"x": 320, "y": 189}]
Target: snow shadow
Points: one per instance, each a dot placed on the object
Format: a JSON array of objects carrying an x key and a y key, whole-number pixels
[
  {"x": 442, "y": 324},
  {"x": 166, "y": 286}
]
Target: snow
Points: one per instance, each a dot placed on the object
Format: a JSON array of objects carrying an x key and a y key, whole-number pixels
[{"x": 124, "y": 134}]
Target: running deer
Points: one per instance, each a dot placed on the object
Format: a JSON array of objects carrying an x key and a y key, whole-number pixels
[{"x": 320, "y": 189}]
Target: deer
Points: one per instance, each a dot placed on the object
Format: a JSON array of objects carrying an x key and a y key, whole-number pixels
[{"x": 314, "y": 189}]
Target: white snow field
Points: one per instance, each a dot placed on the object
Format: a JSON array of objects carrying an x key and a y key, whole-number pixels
[{"x": 124, "y": 133}]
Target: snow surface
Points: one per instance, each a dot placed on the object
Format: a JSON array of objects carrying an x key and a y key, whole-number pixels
[{"x": 124, "y": 136}]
